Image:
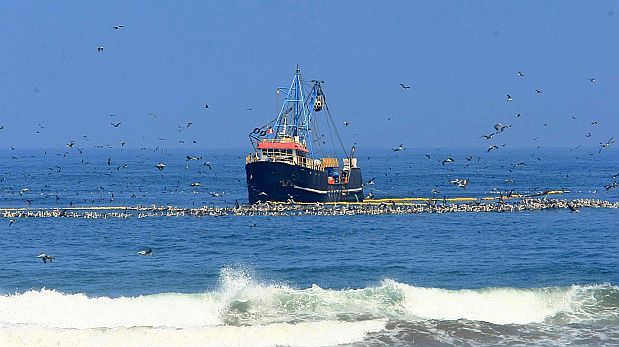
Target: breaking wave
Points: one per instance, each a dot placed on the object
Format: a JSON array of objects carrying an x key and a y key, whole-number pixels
[{"x": 243, "y": 311}]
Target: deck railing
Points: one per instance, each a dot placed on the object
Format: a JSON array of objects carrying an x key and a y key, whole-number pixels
[{"x": 288, "y": 159}]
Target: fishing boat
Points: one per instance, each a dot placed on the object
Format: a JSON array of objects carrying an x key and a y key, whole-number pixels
[{"x": 289, "y": 162}]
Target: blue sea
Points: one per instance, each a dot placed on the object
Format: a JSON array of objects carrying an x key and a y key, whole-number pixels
[{"x": 540, "y": 278}]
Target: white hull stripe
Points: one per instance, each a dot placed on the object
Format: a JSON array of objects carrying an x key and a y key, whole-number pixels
[{"x": 326, "y": 192}]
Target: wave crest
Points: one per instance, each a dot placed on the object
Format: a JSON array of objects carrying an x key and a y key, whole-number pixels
[{"x": 240, "y": 300}]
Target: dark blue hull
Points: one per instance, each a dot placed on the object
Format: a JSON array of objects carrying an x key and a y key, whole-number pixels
[{"x": 274, "y": 181}]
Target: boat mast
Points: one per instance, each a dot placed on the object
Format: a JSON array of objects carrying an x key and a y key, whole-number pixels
[{"x": 295, "y": 102}]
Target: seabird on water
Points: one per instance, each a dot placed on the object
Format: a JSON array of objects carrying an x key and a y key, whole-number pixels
[
  {"x": 160, "y": 166},
  {"x": 572, "y": 208}
]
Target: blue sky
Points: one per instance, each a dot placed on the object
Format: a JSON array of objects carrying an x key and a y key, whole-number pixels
[{"x": 461, "y": 59}]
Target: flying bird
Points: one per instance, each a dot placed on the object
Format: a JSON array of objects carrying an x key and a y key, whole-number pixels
[
  {"x": 592, "y": 80},
  {"x": 500, "y": 127},
  {"x": 205, "y": 105},
  {"x": 491, "y": 148},
  {"x": 606, "y": 145},
  {"x": 538, "y": 91},
  {"x": 509, "y": 98},
  {"x": 520, "y": 74},
  {"x": 116, "y": 27},
  {"x": 46, "y": 257},
  {"x": 400, "y": 148},
  {"x": 448, "y": 160},
  {"x": 487, "y": 137},
  {"x": 100, "y": 49},
  {"x": 116, "y": 125},
  {"x": 146, "y": 252},
  {"x": 346, "y": 124},
  {"x": 208, "y": 164},
  {"x": 404, "y": 86},
  {"x": 371, "y": 181},
  {"x": 462, "y": 183}
]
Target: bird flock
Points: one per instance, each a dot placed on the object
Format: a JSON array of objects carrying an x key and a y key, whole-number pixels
[
  {"x": 76, "y": 148},
  {"x": 498, "y": 129}
]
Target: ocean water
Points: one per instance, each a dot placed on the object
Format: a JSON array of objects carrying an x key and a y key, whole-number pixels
[{"x": 526, "y": 278}]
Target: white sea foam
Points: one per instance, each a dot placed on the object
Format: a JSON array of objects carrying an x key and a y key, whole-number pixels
[
  {"x": 494, "y": 305},
  {"x": 53, "y": 309},
  {"x": 324, "y": 333},
  {"x": 275, "y": 314}
]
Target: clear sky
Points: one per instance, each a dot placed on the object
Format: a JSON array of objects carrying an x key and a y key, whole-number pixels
[{"x": 461, "y": 59}]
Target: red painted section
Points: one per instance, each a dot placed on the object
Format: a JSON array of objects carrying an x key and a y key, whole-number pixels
[{"x": 282, "y": 145}]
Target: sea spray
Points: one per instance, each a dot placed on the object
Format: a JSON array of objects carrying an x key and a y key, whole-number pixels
[{"x": 245, "y": 302}]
